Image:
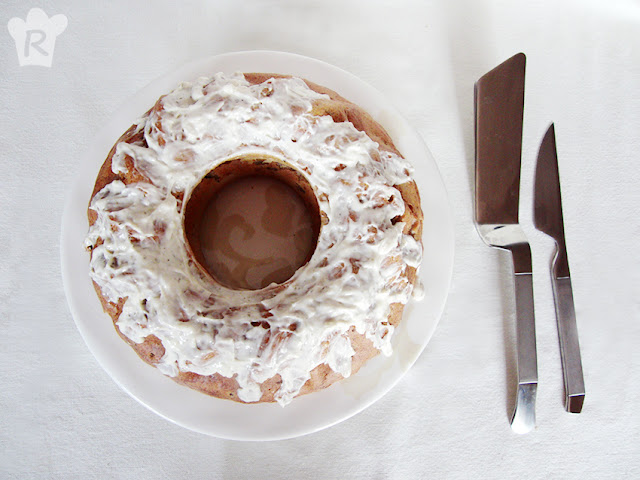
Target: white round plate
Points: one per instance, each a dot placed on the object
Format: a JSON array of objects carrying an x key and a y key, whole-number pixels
[{"x": 309, "y": 413}]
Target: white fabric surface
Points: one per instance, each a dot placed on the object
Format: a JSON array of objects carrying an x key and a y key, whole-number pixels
[{"x": 63, "y": 417}]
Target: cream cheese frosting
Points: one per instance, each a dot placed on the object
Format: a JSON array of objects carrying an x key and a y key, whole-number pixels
[{"x": 357, "y": 270}]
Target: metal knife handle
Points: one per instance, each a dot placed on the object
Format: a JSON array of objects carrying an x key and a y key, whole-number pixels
[
  {"x": 569, "y": 345},
  {"x": 524, "y": 417}
]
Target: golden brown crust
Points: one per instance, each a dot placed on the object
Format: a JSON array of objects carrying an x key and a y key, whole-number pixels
[{"x": 151, "y": 350}]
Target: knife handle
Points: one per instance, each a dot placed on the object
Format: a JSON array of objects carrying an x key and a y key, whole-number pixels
[
  {"x": 569, "y": 345},
  {"x": 523, "y": 419}
]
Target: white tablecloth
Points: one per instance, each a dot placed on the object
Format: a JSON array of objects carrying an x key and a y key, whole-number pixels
[{"x": 62, "y": 415}]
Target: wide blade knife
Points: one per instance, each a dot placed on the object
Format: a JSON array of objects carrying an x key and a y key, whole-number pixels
[
  {"x": 548, "y": 219},
  {"x": 499, "y": 106}
]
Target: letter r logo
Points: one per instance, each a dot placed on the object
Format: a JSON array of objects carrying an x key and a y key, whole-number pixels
[
  {"x": 35, "y": 38},
  {"x": 30, "y": 42}
]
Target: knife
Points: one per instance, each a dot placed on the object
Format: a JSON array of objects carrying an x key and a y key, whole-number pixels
[
  {"x": 547, "y": 216},
  {"x": 499, "y": 105}
]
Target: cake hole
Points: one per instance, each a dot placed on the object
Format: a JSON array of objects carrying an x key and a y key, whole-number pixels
[{"x": 251, "y": 222}]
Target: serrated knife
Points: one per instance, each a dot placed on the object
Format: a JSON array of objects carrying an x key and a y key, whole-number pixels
[
  {"x": 548, "y": 218},
  {"x": 499, "y": 106}
]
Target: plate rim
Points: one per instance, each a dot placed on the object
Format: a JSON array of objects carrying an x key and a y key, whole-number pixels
[{"x": 327, "y": 75}]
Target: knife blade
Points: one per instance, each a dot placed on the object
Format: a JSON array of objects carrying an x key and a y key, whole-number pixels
[
  {"x": 547, "y": 216},
  {"x": 499, "y": 108}
]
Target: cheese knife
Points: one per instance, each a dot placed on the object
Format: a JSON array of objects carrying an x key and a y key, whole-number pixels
[
  {"x": 499, "y": 106},
  {"x": 548, "y": 218}
]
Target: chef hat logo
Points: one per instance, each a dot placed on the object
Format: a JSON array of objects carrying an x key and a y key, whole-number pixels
[{"x": 35, "y": 37}]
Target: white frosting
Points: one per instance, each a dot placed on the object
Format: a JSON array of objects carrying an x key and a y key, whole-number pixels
[{"x": 139, "y": 252}]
